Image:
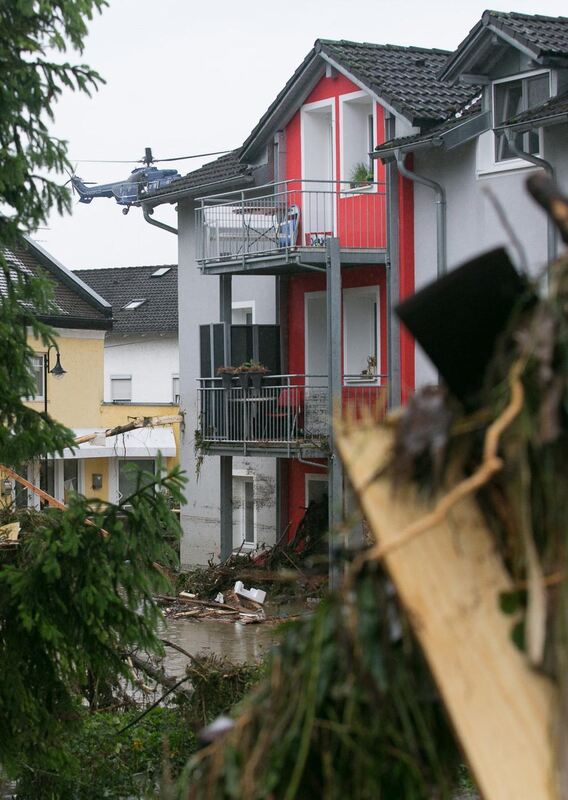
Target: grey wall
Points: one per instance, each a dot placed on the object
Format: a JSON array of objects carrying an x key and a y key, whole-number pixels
[
  {"x": 199, "y": 304},
  {"x": 473, "y": 225}
]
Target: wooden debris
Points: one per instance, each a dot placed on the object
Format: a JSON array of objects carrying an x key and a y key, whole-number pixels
[
  {"x": 138, "y": 422},
  {"x": 449, "y": 579}
]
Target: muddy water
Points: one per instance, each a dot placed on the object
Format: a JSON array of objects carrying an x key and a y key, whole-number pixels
[{"x": 233, "y": 641}]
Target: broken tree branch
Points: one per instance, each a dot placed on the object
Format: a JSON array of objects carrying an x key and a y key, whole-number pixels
[{"x": 137, "y": 422}]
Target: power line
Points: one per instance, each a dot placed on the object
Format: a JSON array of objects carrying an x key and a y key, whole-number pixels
[{"x": 141, "y": 160}]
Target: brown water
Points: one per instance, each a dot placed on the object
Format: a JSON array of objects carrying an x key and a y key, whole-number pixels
[{"x": 231, "y": 640}]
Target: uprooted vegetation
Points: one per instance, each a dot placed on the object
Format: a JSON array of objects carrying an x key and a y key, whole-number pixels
[{"x": 293, "y": 569}]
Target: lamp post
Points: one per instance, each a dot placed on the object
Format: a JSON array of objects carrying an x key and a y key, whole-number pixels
[{"x": 58, "y": 372}]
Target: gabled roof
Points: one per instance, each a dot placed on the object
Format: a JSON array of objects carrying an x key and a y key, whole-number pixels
[
  {"x": 158, "y": 314},
  {"x": 457, "y": 130},
  {"x": 403, "y": 77},
  {"x": 76, "y": 305},
  {"x": 543, "y": 39},
  {"x": 406, "y": 77}
]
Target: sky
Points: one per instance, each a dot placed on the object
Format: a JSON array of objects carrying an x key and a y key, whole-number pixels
[{"x": 186, "y": 77}]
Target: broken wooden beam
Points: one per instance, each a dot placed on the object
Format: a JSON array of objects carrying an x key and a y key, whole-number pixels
[
  {"x": 448, "y": 580},
  {"x": 137, "y": 422}
]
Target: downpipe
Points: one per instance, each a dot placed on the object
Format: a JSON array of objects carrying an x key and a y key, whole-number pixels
[
  {"x": 157, "y": 224},
  {"x": 440, "y": 192},
  {"x": 551, "y": 240}
]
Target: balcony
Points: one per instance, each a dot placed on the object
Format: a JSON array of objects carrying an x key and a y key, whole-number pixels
[
  {"x": 282, "y": 226},
  {"x": 286, "y": 415}
]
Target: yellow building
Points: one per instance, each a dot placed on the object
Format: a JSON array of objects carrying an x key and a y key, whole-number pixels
[{"x": 70, "y": 387}]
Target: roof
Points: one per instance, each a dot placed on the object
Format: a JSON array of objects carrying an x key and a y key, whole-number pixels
[
  {"x": 544, "y": 39},
  {"x": 461, "y": 127},
  {"x": 544, "y": 35},
  {"x": 121, "y": 285},
  {"x": 552, "y": 112},
  {"x": 76, "y": 305},
  {"x": 215, "y": 174},
  {"x": 406, "y": 77}
]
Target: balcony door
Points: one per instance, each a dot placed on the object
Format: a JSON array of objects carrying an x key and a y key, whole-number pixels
[
  {"x": 361, "y": 358},
  {"x": 318, "y": 172}
]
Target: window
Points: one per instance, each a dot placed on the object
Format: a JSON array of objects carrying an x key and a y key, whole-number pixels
[
  {"x": 511, "y": 98},
  {"x": 160, "y": 271},
  {"x": 134, "y": 304},
  {"x": 361, "y": 334},
  {"x": 130, "y": 477},
  {"x": 316, "y": 488},
  {"x": 70, "y": 477},
  {"x": 121, "y": 388},
  {"x": 175, "y": 389},
  {"x": 357, "y": 140},
  {"x": 38, "y": 374},
  {"x": 243, "y": 511},
  {"x": 243, "y": 313}
]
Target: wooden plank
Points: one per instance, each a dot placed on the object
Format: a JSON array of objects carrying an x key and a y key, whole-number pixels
[{"x": 448, "y": 579}]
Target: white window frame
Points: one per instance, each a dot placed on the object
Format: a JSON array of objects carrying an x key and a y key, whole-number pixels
[
  {"x": 120, "y": 378},
  {"x": 246, "y": 476},
  {"x": 175, "y": 377},
  {"x": 36, "y": 398},
  {"x": 375, "y": 290},
  {"x": 487, "y": 163},
  {"x": 343, "y": 100}
]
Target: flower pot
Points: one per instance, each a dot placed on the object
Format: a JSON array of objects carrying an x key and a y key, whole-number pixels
[
  {"x": 244, "y": 379},
  {"x": 256, "y": 378},
  {"x": 227, "y": 379}
]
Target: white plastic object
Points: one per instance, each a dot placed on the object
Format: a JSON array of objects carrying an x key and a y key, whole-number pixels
[{"x": 258, "y": 595}]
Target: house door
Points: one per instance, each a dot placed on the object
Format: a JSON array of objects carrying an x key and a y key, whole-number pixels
[{"x": 243, "y": 512}]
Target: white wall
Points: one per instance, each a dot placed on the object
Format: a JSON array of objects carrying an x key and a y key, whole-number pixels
[
  {"x": 150, "y": 361},
  {"x": 473, "y": 224},
  {"x": 199, "y": 304}
]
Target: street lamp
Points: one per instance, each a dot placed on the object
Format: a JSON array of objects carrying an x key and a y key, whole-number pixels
[{"x": 58, "y": 372}]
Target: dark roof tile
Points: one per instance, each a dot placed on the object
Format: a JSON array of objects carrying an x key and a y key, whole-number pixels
[
  {"x": 120, "y": 285},
  {"x": 224, "y": 168},
  {"x": 406, "y": 77},
  {"x": 71, "y": 307},
  {"x": 548, "y": 34}
]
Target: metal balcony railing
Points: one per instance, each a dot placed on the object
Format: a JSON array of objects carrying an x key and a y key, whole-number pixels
[
  {"x": 279, "y": 218},
  {"x": 283, "y": 412}
]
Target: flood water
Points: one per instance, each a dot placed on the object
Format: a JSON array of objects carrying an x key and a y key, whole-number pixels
[{"x": 231, "y": 640}]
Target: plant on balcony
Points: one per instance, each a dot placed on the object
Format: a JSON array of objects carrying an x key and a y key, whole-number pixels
[
  {"x": 227, "y": 374},
  {"x": 361, "y": 175},
  {"x": 251, "y": 370}
]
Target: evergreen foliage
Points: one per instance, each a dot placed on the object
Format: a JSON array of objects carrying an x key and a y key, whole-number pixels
[
  {"x": 34, "y": 32},
  {"x": 74, "y": 603}
]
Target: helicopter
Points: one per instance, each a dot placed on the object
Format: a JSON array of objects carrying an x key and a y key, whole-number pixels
[{"x": 139, "y": 182}]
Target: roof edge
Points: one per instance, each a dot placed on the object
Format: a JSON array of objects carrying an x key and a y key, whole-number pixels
[{"x": 68, "y": 278}]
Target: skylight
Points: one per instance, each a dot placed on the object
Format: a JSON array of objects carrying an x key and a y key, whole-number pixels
[
  {"x": 160, "y": 271},
  {"x": 134, "y": 304}
]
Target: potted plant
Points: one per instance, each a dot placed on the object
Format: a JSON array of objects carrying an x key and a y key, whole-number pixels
[
  {"x": 257, "y": 371},
  {"x": 361, "y": 175},
  {"x": 227, "y": 374},
  {"x": 251, "y": 370}
]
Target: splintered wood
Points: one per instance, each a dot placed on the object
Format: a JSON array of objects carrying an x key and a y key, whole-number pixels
[{"x": 449, "y": 579}]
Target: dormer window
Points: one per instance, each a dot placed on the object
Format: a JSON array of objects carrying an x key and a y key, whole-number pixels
[{"x": 511, "y": 98}]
